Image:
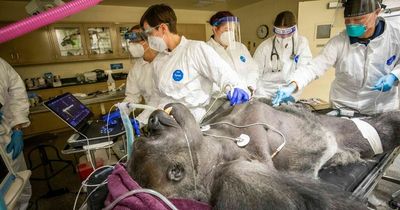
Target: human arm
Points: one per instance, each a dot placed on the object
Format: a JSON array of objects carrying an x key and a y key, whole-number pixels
[
  {"x": 260, "y": 56},
  {"x": 16, "y": 107},
  {"x": 309, "y": 71},
  {"x": 213, "y": 67},
  {"x": 303, "y": 52},
  {"x": 132, "y": 91}
]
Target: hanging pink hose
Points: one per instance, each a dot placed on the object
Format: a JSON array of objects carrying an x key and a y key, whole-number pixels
[{"x": 34, "y": 22}]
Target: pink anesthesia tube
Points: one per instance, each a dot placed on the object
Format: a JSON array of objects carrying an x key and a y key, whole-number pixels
[{"x": 32, "y": 23}]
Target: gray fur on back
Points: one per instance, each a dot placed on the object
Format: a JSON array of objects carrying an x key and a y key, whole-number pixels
[{"x": 257, "y": 187}]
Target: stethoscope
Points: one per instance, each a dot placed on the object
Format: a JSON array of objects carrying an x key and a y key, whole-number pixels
[{"x": 274, "y": 52}]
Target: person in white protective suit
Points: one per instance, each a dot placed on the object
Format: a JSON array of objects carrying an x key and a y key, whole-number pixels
[
  {"x": 280, "y": 56},
  {"x": 13, "y": 117},
  {"x": 226, "y": 42},
  {"x": 185, "y": 70},
  {"x": 366, "y": 58},
  {"x": 140, "y": 77}
]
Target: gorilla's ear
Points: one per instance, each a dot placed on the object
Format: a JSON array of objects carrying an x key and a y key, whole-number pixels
[{"x": 176, "y": 172}]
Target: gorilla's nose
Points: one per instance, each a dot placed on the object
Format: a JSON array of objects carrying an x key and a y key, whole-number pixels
[{"x": 154, "y": 122}]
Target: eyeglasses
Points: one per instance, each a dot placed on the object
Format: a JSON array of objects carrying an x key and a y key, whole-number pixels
[
  {"x": 149, "y": 30},
  {"x": 135, "y": 36}
]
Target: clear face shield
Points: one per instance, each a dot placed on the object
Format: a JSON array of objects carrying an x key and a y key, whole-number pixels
[
  {"x": 229, "y": 28},
  {"x": 356, "y": 8},
  {"x": 284, "y": 32},
  {"x": 281, "y": 33},
  {"x": 360, "y": 16},
  {"x": 353, "y": 16}
]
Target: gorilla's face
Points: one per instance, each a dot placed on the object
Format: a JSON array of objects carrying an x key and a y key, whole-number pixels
[{"x": 161, "y": 160}]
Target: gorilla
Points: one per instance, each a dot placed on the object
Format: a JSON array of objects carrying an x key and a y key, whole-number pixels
[{"x": 179, "y": 160}]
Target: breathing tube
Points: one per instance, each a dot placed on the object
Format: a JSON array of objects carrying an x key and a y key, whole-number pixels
[
  {"x": 32, "y": 23},
  {"x": 124, "y": 110}
]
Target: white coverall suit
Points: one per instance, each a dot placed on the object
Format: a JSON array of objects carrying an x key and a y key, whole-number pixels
[
  {"x": 187, "y": 74},
  {"x": 240, "y": 60},
  {"x": 15, "y": 111},
  {"x": 269, "y": 81},
  {"x": 357, "y": 69},
  {"x": 140, "y": 84}
]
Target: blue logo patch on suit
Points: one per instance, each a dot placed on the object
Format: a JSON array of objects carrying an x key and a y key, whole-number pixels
[{"x": 177, "y": 75}]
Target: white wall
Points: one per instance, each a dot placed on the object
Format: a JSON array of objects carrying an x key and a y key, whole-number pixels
[
  {"x": 13, "y": 11},
  {"x": 256, "y": 14}
]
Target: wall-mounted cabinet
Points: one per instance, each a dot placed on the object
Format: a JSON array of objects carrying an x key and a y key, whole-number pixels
[
  {"x": 101, "y": 40},
  {"x": 76, "y": 42},
  {"x": 69, "y": 42},
  {"x": 31, "y": 48}
]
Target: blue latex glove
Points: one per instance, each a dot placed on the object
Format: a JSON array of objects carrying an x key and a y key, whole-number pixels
[
  {"x": 16, "y": 144},
  {"x": 284, "y": 95},
  {"x": 239, "y": 96},
  {"x": 385, "y": 83},
  {"x": 112, "y": 120}
]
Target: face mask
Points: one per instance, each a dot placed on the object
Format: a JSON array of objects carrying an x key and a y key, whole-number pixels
[
  {"x": 227, "y": 38},
  {"x": 283, "y": 42},
  {"x": 136, "y": 50},
  {"x": 356, "y": 30},
  {"x": 157, "y": 43},
  {"x": 283, "y": 39}
]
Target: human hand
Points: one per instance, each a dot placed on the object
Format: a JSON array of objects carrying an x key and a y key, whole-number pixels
[
  {"x": 238, "y": 96},
  {"x": 284, "y": 95},
  {"x": 385, "y": 83},
  {"x": 16, "y": 144}
]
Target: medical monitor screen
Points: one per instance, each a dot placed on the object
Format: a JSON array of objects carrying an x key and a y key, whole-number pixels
[{"x": 70, "y": 109}]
